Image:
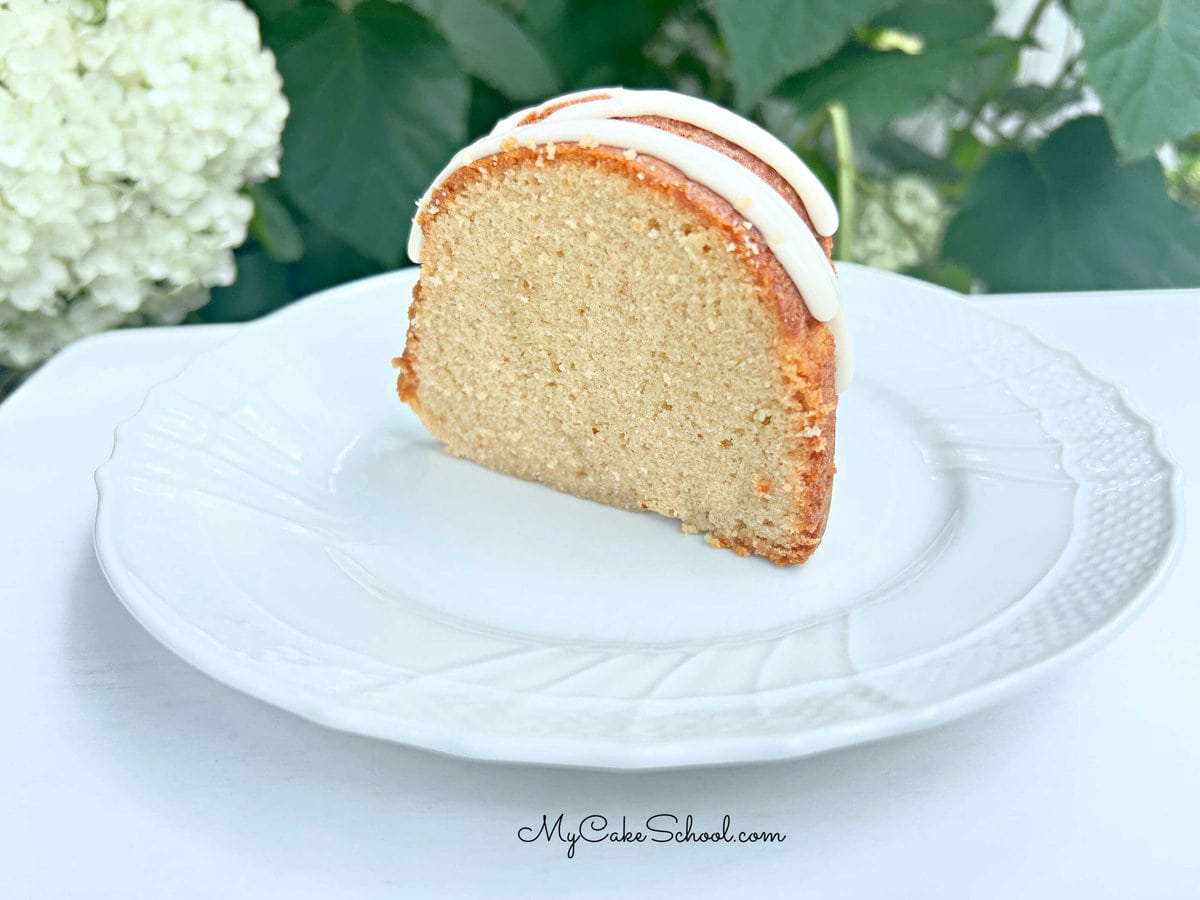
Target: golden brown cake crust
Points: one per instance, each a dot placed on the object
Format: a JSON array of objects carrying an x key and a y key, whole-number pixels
[
  {"x": 805, "y": 346},
  {"x": 710, "y": 140}
]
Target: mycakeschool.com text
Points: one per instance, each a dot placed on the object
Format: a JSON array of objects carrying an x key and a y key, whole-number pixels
[{"x": 660, "y": 828}]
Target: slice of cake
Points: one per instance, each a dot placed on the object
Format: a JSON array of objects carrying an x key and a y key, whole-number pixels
[{"x": 628, "y": 296}]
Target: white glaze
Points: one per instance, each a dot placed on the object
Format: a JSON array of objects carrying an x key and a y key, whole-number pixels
[
  {"x": 779, "y": 225},
  {"x": 619, "y": 103},
  {"x": 790, "y": 240}
]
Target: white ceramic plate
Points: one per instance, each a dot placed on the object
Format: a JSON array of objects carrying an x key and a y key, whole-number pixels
[{"x": 276, "y": 517}]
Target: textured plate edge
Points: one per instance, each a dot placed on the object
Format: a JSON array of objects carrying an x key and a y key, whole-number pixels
[{"x": 614, "y": 755}]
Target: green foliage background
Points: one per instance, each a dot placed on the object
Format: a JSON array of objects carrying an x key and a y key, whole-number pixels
[{"x": 383, "y": 92}]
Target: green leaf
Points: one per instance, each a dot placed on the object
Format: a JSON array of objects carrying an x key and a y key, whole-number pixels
[
  {"x": 995, "y": 61},
  {"x": 886, "y": 153},
  {"x": 1143, "y": 59},
  {"x": 595, "y": 42},
  {"x": 768, "y": 40},
  {"x": 544, "y": 17},
  {"x": 261, "y": 287},
  {"x": 661, "y": 9},
  {"x": 947, "y": 274},
  {"x": 966, "y": 151},
  {"x": 494, "y": 48},
  {"x": 327, "y": 261},
  {"x": 272, "y": 225},
  {"x": 1036, "y": 98},
  {"x": 379, "y": 104},
  {"x": 877, "y": 87},
  {"x": 1070, "y": 217},
  {"x": 940, "y": 22},
  {"x": 488, "y": 106},
  {"x": 270, "y": 9}
]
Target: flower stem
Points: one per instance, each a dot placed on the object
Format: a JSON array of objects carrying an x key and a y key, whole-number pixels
[{"x": 843, "y": 147}]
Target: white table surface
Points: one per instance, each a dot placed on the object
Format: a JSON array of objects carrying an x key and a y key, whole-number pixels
[{"x": 125, "y": 773}]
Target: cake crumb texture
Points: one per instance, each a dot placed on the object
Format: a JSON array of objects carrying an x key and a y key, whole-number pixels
[{"x": 590, "y": 319}]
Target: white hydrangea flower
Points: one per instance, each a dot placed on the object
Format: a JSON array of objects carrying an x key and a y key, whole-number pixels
[
  {"x": 899, "y": 222},
  {"x": 124, "y": 147}
]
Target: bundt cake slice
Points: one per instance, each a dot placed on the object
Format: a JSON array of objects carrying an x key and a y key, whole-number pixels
[{"x": 628, "y": 296}]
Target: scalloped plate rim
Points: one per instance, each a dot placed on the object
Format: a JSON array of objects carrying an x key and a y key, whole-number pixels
[{"x": 617, "y": 755}]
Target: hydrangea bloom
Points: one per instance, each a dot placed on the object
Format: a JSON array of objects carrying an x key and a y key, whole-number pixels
[
  {"x": 881, "y": 240},
  {"x": 124, "y": 146}
]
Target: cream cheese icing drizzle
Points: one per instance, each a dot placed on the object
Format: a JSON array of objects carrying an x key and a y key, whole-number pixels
[
  {"x": 779, "y": 225},
  {"x": 619, "y": 103}
]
